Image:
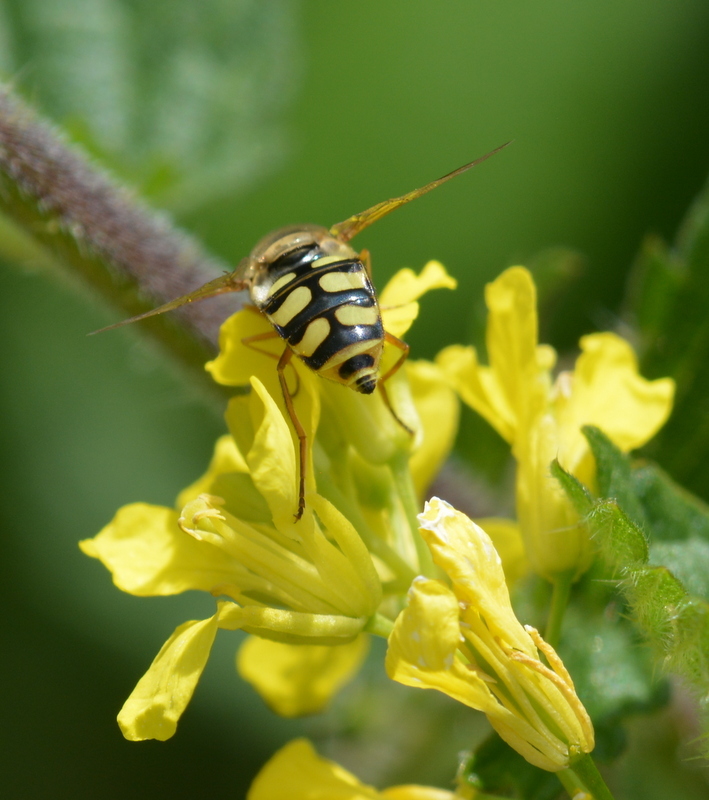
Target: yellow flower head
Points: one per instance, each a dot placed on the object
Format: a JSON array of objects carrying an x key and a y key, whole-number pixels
[
  {"x": 301, "y": 586},
  {"x": 466, "y": 641},
  {"x": 310, "y": 777},
  {"x": 542, "y": 418}
]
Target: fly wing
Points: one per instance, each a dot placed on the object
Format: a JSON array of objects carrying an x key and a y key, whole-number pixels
[
  {"x": 344, "y": 231},
  {"x": 229, "y": 282}
]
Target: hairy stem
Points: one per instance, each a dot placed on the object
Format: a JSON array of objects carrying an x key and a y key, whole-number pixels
[{"x": 134, "y": 257}]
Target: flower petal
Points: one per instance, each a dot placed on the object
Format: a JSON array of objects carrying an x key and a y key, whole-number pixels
[
  {"x": 507, "y": 540},
  {"x": 226, "y": 459},
  {"x": 295, "y": 680},
  {"x": 607, "y": 390},
  {"x": 272, "y": 458},
  {"x": 162, "y": 694},
  {"x": 307, "y": 776},
  {"x": 366, "y": 422},
  {"x": 147, "y": 553},
  {"x": 423, "y": 645},
  {"x": 478, "y": 387},
  {"x": 465, "y": 553},
  {"x": 439, "y": 411},
  {"x": 555, "y": 539},
  {"x": 398, "y": 299},
  {"x": 236, "y": 362},
  {"x": 411, "y": 792},
  {"x": 521, "y": 368}
]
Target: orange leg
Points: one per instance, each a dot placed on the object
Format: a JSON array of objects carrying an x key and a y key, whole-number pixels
[
  {"x": 389, "y": 337},
  {"x": 300, "y": 432},
  {"x": 261, "y": 337},
  {"x": 366, "y": 259}
]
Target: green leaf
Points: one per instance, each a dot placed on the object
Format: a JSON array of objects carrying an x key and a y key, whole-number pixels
[
  {"x": 654, "y": 595},
  {"x": 673, "y": 621},
  {"x": 671, "y": 512},
  {"x": 575, "y": 490},
  {"x": 614, "y": 474},
  {"x": 182, "y": 99},
  {"x": 688, "y": 560},
  {"x": 619, "y": 539}
]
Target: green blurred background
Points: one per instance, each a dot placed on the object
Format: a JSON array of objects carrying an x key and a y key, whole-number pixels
[{"x": 239, "y": 117}]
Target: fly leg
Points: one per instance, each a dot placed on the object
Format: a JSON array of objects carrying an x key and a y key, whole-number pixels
[
  {"x": 366, "y": 259},
  {"x": 261, "y": 337},
  {"x": 248, "y": 341},
  {"x": 300, "y": 432},
  {"x": 389, "y": 337}
]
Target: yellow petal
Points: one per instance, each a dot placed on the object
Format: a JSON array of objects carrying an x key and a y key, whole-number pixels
[
  {"x": 411, "y": 792},
  {"x": 307, "y": 776},
  {"x": 272, "y": 458},
  {"x": 162, "y": 694},
  {"x": 236, "y": 362},
  {"x": 465, "y": 553},
  {"x": 520, "y": 367},
  {"x": 606, "y": 390},
  {"x": 428, "y": 632},
  {"x": 478, "y": 387},
  {"x": 423, "y": 645},
  {"x": 299, "y": 627},
  {"x": 555, "y": 539},
  {"x": 147, "y": 553},
  {"x": 355, "y": 569},
  {"x": 295, "y": 680},
  {"x": 507, "y": 540},
  {"x": 226, "y": 459},
  {"x": 398, "y": 300},
  {"x": 366, "y": 422},
  {"x": 439, "y": 411}
]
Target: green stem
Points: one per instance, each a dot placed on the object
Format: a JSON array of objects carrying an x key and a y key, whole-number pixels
[
  {"x": 379, "y": 625},
  {"x": 399, "y": 466},
  {"x": 570, "y": 781},
  {"x": 587, "y": 773},
  {"x": 559, "y": 602}
]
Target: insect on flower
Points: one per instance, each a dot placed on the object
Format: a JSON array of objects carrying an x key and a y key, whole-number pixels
[{"x": 317, "y": 292}]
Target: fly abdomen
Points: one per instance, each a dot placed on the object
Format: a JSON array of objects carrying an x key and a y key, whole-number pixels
[{"x": 328, "y": 314}]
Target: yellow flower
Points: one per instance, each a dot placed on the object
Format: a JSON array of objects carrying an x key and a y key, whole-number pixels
[
  {"x": 297, "y": 680},
  {"x": 542, "y": 418},
  {"x": 301, "y": 586},
  {"x": 467, "y": 643},
  {"x": 307, "y": 776}
]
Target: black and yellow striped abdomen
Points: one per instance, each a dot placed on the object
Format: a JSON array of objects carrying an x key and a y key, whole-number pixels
[{"x": 326, "y": 309}]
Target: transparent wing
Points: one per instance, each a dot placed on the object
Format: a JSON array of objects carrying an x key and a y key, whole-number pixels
[
  {"x": 344, "y": 231},
  {"x": 229, "y": 282}
]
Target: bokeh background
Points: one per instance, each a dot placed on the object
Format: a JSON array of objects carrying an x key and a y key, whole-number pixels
[{"x": 238, "y": 117}]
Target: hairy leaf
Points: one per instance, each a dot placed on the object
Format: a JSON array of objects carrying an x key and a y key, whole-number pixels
[{"x": 666, "y": 599}]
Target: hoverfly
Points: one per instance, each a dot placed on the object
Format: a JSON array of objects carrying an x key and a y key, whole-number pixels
[{"x": 317, "y": 293}]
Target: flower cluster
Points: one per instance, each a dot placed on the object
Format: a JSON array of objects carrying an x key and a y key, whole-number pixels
[
  {"x": 303, "y": 586},
  {"x": 464, "y": 639},
  {"x": 542, "y": 418},
  {"x": 310, "y": 590}
]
